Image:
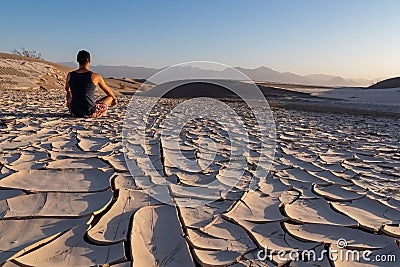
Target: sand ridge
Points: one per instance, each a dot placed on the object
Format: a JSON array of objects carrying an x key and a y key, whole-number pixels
[{"x": 23, "y": 73}]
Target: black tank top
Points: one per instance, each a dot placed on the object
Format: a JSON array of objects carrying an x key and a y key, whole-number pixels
[{"x": 82, "y": 89}]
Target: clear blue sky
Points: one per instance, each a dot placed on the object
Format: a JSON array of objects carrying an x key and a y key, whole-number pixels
[{"x": 357, "y": 39}]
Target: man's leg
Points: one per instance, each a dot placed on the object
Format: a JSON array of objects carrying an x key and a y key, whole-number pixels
[{"x": 102, "y": 106}]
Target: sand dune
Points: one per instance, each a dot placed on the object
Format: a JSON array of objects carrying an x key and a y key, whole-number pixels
[
  {"x": 22, "y": 73},
  {"x": 388, "y": 83},
  {"x": 216, "y": 89}
]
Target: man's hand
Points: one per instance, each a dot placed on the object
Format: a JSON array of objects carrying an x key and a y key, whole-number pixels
[
  {"x": 68, "y": 103},
  {"x": 114, "y": 102},
  {"x": 68, "y": 96}
]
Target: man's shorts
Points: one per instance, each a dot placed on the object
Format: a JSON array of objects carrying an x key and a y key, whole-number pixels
[{"x": 101, "y": 109}]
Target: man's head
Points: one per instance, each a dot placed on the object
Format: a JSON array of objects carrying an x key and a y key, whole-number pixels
[{"x": 83, "y": 57}]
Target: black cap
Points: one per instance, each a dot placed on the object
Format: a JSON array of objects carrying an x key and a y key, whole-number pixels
[{"x": 83, "y": 57}]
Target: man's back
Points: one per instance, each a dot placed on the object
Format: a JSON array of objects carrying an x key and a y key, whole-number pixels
[
  {"x": 82, "y": 89},
  {"x": 80, "y": 86}
]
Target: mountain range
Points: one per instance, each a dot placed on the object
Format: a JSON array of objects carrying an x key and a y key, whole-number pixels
[{"x": 258, "y": 74}]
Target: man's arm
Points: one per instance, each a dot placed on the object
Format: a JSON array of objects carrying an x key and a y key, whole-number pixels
[
  {"x": 102, "y": 84},
  {"x": 68, "y": 90}
]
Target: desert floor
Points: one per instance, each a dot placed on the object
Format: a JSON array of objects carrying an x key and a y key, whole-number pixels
[{"x": 67, "y": 197}]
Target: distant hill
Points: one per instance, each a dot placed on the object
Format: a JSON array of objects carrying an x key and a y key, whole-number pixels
[
  {"x": 257, "y": 74},
  {"x": 270, "y": 75},
  {"x": 389, "y": 83},
  {"x": 331, "y": 80},
  {"x": 118, "y": 71}
]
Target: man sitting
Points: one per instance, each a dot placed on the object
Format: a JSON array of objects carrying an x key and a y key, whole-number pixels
[{"x": 81, "y": 85}]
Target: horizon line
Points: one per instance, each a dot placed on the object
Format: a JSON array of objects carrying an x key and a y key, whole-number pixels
[{"x": 247, "y": 68}]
